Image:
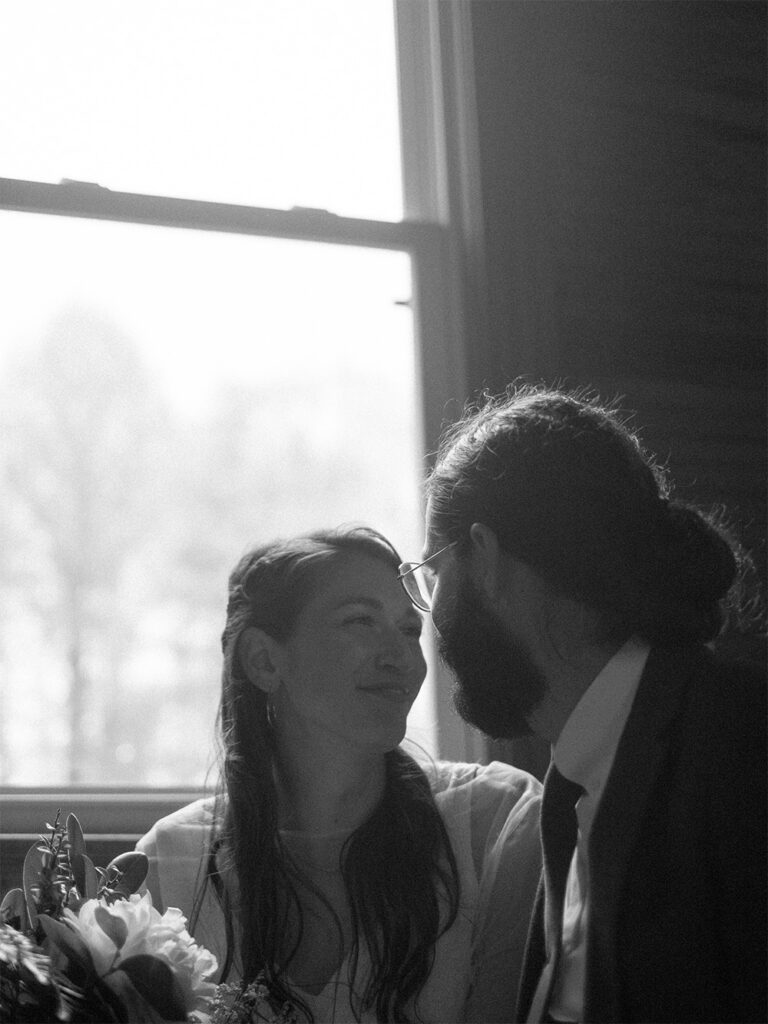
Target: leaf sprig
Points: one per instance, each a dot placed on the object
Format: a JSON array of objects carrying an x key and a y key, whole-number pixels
[
  {"x": 46, "y": 972},
  {"x": 58, "y": 874}
]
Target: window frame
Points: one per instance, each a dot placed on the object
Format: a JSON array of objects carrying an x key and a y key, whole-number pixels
[{"x": 441, "y": 232}]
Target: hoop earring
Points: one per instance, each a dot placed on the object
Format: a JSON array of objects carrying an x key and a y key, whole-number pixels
[{"x": 271, "y": 712}]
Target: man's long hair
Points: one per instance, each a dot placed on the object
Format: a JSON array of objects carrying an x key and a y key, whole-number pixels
[
  {"x": 569, "y": 490},
  {"x": 398, "y": 866}
]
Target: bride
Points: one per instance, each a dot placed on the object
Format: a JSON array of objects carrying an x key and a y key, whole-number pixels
[{"x": 363, "y": 885}]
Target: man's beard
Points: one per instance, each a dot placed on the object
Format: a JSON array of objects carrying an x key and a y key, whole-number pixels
[{"x": 497, "y": 683}]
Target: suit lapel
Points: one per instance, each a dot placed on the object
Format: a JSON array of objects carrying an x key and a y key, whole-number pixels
[
  {"x": 637, "y": 766},
  {"x": 535, "y": 956}
]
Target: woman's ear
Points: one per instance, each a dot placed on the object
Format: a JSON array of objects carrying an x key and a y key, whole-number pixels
[{"x": 260, "y": 657}]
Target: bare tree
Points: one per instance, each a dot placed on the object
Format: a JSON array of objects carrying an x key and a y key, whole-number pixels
[{"x": 83, "y": 426}]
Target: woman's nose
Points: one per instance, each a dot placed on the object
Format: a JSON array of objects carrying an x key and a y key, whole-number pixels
[
  {"x": 394, "y": 652},
  {"x": 400, "y": 653}
]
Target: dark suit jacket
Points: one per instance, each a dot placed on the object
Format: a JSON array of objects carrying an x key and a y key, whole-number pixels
[{"x": 677, "y": 854}]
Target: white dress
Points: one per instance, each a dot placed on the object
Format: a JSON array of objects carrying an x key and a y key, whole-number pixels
[{"x": 491, "y": 813}]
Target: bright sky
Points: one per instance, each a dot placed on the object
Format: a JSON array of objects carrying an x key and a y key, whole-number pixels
[
  {"x": 289, "y": 103},
  {"x": 206, "y": 308},
  {"x": 274, "y": 103},
  {"x": 246, "y": 101}
]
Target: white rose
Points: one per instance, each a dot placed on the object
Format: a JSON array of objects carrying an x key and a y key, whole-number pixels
[{"x": 114, "y": 932}]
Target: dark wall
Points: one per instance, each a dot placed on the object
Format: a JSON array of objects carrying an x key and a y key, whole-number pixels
[
  {"x": 623, "y": 177},
  {"x": 623, "y": 174}
]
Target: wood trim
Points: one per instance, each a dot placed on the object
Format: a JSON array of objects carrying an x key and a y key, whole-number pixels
[{"x": 101, "y": 812}]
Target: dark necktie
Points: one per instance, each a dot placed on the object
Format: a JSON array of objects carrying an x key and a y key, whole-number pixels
[{"x": 559, "y": 829}]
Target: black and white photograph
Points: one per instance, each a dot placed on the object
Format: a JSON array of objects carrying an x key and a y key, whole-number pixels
[{"x": 383, "y": 511}]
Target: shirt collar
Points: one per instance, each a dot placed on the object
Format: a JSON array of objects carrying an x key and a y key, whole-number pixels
[{"x": 586, "y": 747}]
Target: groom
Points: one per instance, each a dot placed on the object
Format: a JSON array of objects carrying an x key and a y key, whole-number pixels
[{"x": 575, "y": 600}]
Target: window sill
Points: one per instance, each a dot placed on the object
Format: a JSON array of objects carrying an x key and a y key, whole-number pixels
[{"x": 101, "y": 811}]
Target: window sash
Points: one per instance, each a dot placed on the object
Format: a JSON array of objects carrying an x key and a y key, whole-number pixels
[
  {"x": 441, "y": 233},
  {"x": 124, "y": 814},
  {"x": 86, "y": 199}
]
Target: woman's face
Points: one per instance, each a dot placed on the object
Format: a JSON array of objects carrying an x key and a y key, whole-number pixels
[{"x": 353, "y": 666}]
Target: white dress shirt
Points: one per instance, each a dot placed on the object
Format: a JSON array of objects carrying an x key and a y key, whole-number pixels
[{"x": 584, "y": 753}]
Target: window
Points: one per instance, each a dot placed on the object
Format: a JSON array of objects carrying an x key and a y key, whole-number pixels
[
  {"x": 219, "y": 328},
  {"x": 260, "y": 104}
]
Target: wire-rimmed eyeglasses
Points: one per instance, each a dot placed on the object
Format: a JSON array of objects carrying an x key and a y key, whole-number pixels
[{"x": 418, "y": 580}]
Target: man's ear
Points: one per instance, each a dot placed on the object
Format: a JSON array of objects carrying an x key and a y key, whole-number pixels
[
  {"x": 485, "y": 558},
  {"x": 261, "y": 658}
]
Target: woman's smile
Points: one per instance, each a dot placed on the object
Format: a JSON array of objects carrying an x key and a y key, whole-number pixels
[
  {"x": 353, "y": 664},
  {"x": 394, "y": 692}
]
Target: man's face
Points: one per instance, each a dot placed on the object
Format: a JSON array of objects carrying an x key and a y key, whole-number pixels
[{"x": 498, "y": 685}]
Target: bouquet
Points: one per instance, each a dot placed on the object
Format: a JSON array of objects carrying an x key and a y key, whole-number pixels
[{"x": 81, "y": 943}]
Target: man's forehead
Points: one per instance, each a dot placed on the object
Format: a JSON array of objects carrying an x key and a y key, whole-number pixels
[
  {"x": 433, "y": 542},
  {"x": 433, "y": 539}
]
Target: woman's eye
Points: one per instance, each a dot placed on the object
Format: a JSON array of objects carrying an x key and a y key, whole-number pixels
[{"x": 362, "y": 620}]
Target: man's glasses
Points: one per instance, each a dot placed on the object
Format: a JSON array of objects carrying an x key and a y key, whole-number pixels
[{"x": 418, "y": 580}]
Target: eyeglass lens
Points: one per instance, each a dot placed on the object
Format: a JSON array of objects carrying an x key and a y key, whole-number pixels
[{"x": 419, "y": 585}]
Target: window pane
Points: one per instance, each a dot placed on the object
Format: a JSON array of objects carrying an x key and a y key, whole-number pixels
[
  {"x": 279, "y": 104},
  {"x": 170, "y": 397}
]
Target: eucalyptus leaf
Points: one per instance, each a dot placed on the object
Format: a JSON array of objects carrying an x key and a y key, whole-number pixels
[
  {"x": 156, "y": 982},
  {"x": 129, "y": 1003},
  {"x": 30, "y": 875},
  {"x": 114, "y": 927},
  {"x": 86, "y": 876},
  {"x": 68, "y": 942},
  {"x": 130, "y": 869},
  {"x": 75, "y": 835},
  {"x": 13, "y": 910}
]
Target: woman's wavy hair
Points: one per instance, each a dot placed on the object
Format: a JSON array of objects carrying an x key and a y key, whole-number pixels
[
  {"x": 398, "y": 866},
  {"x": 569, "y": 490}
]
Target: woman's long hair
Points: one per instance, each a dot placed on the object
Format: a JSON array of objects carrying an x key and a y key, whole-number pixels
[{"x": 398, "y": 866}]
